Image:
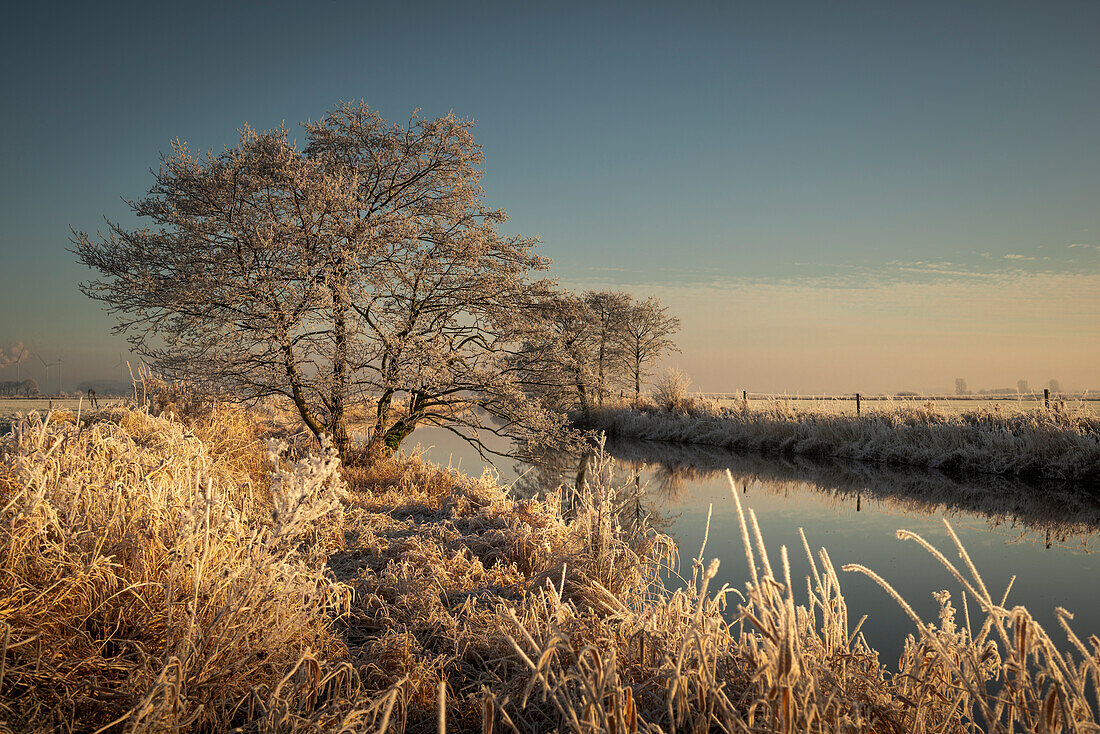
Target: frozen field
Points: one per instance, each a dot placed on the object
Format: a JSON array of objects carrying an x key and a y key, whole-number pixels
[
  {"x": 948, "y": 404},
  {"x": 11, "y": 406}
]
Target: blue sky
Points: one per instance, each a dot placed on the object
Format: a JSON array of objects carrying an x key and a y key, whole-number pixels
[{"x": 786, "y": 176}]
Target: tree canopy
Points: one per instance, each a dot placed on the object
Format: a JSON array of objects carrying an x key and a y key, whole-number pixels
[
  {"x": 594, "y": 344},
  {"x": 364, "y": 268},
  {"x": 19, "y": 387}
]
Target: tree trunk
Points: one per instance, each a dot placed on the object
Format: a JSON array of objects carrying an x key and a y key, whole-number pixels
[
  {"x": 399, "y": 431},
  {"x": 312, "y": 422},
  {"x": 600, "y": 387},
  {"x": 381, "y": 421},
  {"x": 582, "y": 396},
  {"x": 341, "y": 441}
]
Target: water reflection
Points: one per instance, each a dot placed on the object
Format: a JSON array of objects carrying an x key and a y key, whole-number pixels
[
  {"x": 1049, "y": 513},
  {"x": 640, "y": 509},
  {"x": 854, "y": 510}
]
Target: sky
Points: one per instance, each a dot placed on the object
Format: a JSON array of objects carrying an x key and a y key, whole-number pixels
[{"x": 833, "y": 197}]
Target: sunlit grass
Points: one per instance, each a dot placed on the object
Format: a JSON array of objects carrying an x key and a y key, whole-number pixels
[
  {"x": 1056, "y": 443},
  {"x": 177, "y": 572}
]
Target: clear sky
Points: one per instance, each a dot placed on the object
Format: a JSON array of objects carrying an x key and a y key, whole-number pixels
[{"x": 832, "y": 196}]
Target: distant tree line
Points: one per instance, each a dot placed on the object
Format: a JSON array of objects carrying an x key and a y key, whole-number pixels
[
  {"x": 1022, "y": 388},
  {"x": 9, "y": 388},
  {"x": 595, "y": 347},
  {"x": 105, "y": 387}
]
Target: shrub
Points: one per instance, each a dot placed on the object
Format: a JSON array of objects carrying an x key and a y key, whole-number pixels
[{"x": 670, "y": 391}]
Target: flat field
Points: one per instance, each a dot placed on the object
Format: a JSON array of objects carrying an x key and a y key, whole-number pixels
[
  {"x": 1086, "y": 403},
  {"x": 10, "y": 406}
]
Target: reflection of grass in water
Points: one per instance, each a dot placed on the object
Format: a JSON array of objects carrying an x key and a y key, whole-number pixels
[
  {"x": 1047, "y": 513},
  {"x": 156, "y": 581}
]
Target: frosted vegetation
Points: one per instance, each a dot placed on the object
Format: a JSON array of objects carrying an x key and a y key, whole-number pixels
[
  {"x": 1054, "y": 443},
  {"x": 188, "y": 567},
  {"x": 363, "y": 269}
]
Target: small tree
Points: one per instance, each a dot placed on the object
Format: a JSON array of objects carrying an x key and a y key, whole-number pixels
[
  {"x": 608, "y": 311},
  {"x": 365, "y": 267},
  {"x": 557, "y": 358},
  {"x": 1022, "y": 387},
  {"x": 29, "y": 386},
  {"x": 1055, "y": 386},
  {"x": 960, "y": 387},
  {"x": 647, "y": 333},
  {"x": 671, "y": 391}
]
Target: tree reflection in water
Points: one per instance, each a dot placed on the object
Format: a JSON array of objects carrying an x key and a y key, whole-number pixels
[{"x": 641, "y": 507}]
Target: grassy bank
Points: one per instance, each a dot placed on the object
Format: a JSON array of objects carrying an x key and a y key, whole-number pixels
[
  {"x": 187, "y": 575},
  {"x": 1052, "y": 444}
]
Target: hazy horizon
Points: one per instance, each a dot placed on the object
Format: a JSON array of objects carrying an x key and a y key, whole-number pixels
[{"x": 869, "y": 198}]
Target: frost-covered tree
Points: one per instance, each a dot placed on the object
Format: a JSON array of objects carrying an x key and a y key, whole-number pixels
[
  {"x": 592, "y": 342},
  {"x": 960, "y": 387},
  {"x": 365, "y": 267},
  {"x": 557, "y": 357},
  {"x": 608, "y": 312},
  {"x": 647, "y": 336}
]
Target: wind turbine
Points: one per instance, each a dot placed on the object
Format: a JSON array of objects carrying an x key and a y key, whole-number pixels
[
  {"x": 45, "y": 364},
  {"x": 120, "y": 365},
  {"x": 19, "y": 360}
]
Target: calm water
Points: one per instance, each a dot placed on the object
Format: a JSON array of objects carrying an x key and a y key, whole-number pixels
[{"x": 1045, "y": 535}]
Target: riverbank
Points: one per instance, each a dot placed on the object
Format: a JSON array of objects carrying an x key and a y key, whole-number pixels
[
  {"x": 169, "y": 574},
  {"x": 1049, "y": 444}
]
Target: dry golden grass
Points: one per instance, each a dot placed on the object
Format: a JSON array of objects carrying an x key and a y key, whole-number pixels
[
  {"x": 143, "y": 584},
  {"x": 149, "y": 584}
]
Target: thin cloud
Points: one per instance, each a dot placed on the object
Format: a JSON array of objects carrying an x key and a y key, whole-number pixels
[
  {"x": 13, "y": 354},
  {"x": 976, "y": 267}
]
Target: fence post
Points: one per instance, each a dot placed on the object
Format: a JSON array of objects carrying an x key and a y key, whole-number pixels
[
  {"x": 745, "y": 397},
  {"x": 1046, "y": 397},
  {"x": 857, "y": 403}
]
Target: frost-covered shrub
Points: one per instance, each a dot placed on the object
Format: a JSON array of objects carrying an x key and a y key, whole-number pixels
[{"x": 670, "y": 391}]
